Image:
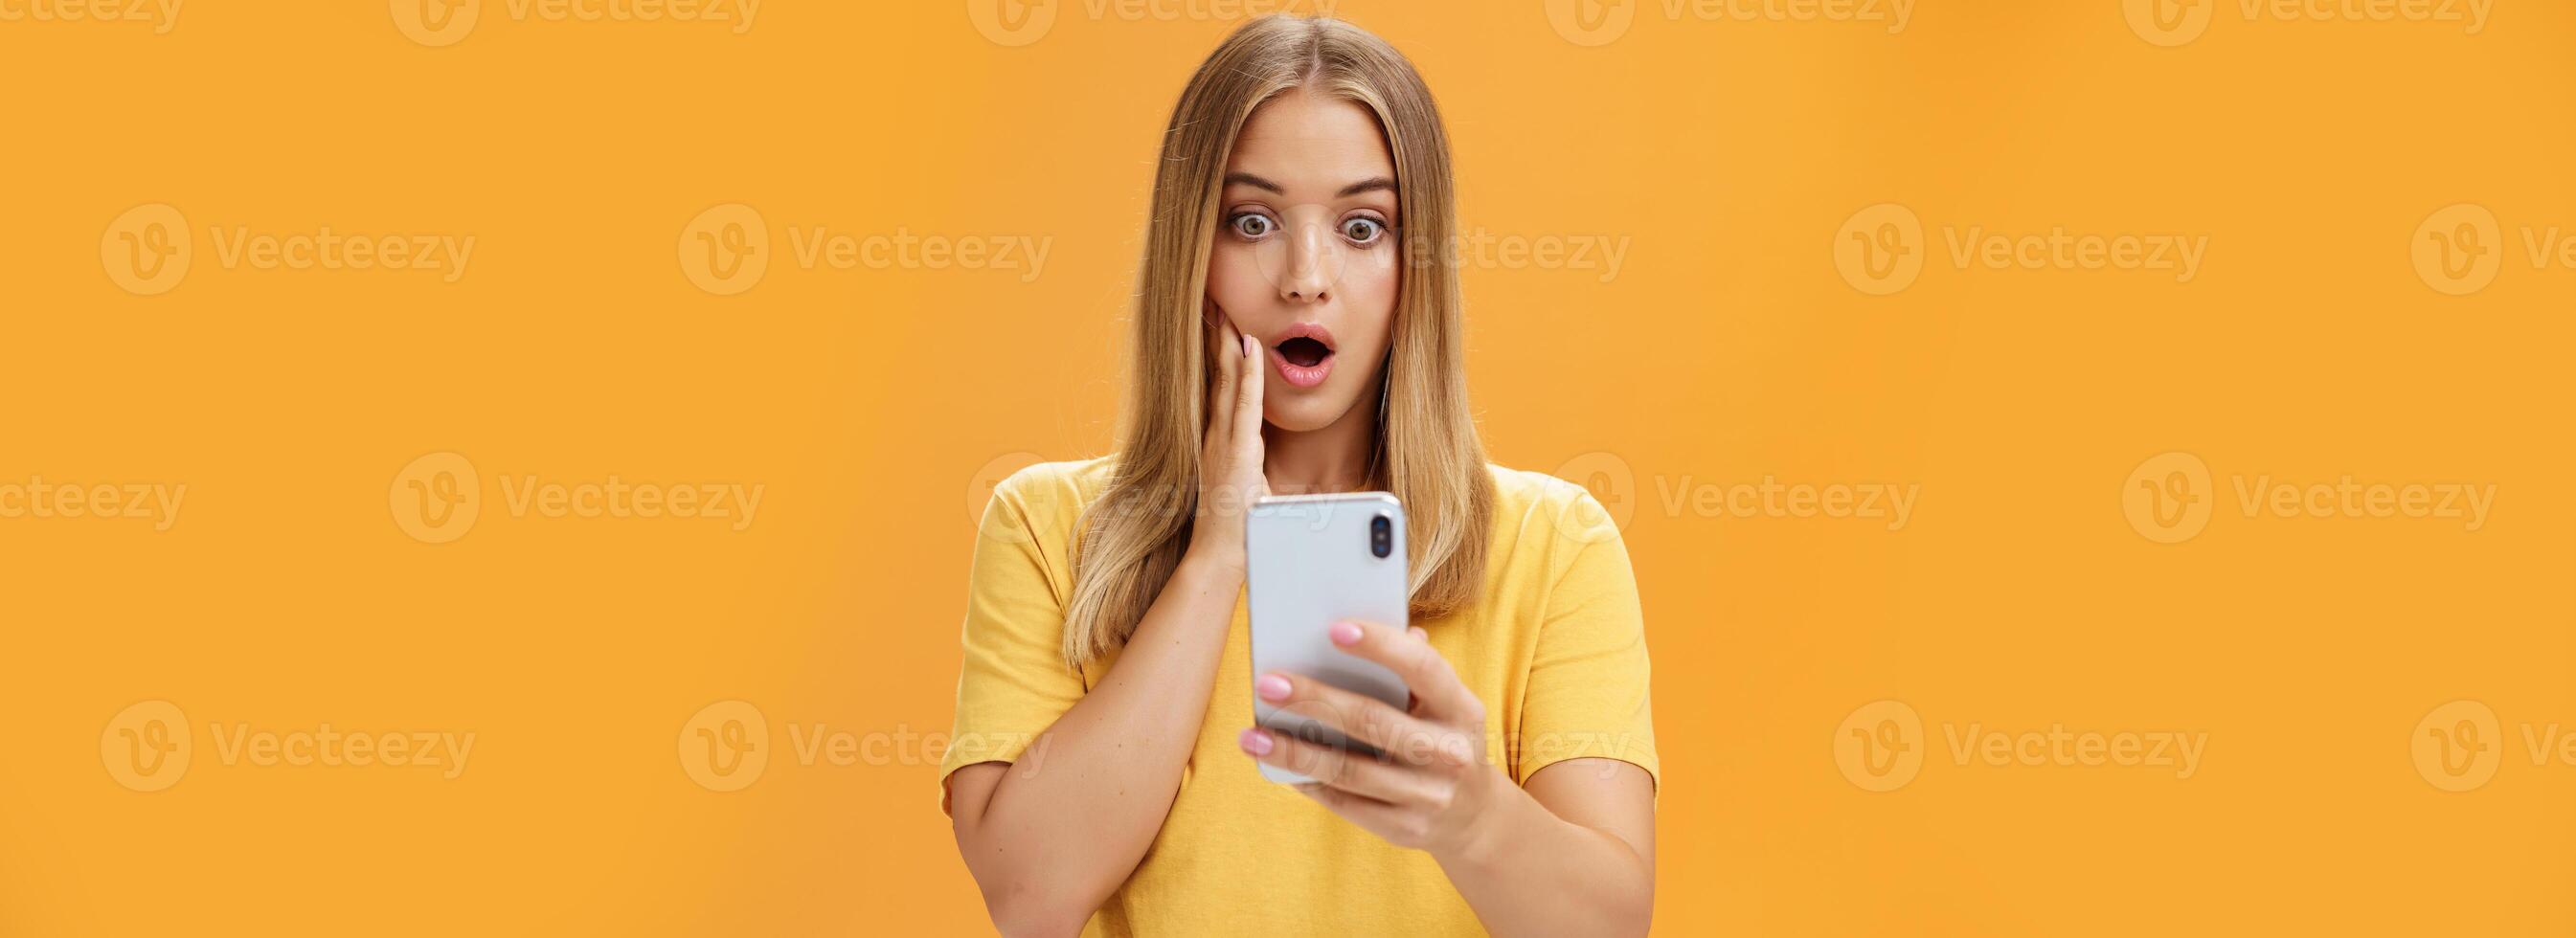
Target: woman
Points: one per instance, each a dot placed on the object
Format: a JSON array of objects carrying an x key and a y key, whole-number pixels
[{"x": 1289, "y": 340}]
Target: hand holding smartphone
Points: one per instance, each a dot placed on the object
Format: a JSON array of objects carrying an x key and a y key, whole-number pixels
[{"x": 1311, "y": 561}]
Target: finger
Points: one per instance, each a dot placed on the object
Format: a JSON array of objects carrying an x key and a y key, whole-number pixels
[
  {"x": 1412, "y": 700},
  {"x": 1247, "y": 404},
  {"x": 1402, "y": 736},
  {"x": 1335, "y": 767},
  {"x": 1220, "y": 413},
  {"x": 1444, "y": 698},
  {"x": 1207, "y": 351},
  {"x": 1376, "y": 817}
]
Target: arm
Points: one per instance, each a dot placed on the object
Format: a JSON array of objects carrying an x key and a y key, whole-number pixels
[
  {"x": 1573, "y": 854},
  {"x": 1049, "y": 843}
]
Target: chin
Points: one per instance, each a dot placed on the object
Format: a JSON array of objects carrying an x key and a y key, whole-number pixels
[{"x": 1302, "y": 416}]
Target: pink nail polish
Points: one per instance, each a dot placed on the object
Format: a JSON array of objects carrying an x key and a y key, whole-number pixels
[
  {"x": 1256, "y": 742},
  {"x": 1271, "y": 687},
  {"x": 1346, "y": 633},
  {"x": 1247, "y": 346}
]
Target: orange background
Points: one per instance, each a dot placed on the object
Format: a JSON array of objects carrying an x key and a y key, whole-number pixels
[{"x": 874, "y": 405}]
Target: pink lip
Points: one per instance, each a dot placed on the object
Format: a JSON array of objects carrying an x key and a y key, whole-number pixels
[{"x": 1304, "y": 376}]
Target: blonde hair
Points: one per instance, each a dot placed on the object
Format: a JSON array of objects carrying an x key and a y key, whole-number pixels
[{"x": 1428, "y": 454}]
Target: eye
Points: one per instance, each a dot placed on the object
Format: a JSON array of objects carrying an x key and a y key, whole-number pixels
[
  {"x": 1251, "y": 226},
  {"x": 1363, "y": 230}
]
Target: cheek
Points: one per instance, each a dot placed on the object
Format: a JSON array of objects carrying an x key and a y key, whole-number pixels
[
  {"x": 1369, "y": 287},
  {"x": 1235, "y": 281}
]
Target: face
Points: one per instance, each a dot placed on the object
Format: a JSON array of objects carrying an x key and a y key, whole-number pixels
[{"x": 1304, "y": 259}]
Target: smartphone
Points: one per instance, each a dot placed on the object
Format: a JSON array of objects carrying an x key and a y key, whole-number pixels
[{"x": 1311, "y": 561}]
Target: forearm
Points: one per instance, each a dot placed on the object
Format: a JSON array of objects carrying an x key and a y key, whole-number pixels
[
  {"x": 1529, "y": 872},
  {"x": 1070, "y": 820}
]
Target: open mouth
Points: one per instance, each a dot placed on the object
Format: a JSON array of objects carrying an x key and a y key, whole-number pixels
[{"x": 1304, "y": 354}]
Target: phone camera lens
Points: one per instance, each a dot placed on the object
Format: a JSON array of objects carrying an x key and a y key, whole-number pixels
[{"x": 1381, "y": 537}]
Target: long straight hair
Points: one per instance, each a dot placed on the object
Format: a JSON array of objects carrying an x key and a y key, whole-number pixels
[{"x": 1427, "y": 454}]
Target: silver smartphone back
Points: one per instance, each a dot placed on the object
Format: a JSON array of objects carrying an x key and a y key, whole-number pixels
[{"x": 1311, "y": 561}]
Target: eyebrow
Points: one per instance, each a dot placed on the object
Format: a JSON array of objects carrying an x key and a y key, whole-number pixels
[{"x": 1371, "y": 184}]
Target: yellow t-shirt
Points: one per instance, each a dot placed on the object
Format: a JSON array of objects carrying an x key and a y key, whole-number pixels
[{"x": 1556, "y": 650}]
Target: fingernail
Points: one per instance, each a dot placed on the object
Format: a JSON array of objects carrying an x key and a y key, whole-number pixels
[
  {"x": 1346, "y": 633},
  {"x": 1271, "y": 687},
  {"x": 1256, "y": 742},
  {"x": 1247, "y": 346}
]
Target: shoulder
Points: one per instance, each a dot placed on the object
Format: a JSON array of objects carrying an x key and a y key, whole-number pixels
[
  {"x": 1052, "y": 495},
  {"x": 1530, "y": 503}
]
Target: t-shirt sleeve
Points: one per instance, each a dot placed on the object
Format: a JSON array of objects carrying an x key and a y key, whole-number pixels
[
  {"x": 1588, "y": 693},
  {"x": 1013, "y": 682}
]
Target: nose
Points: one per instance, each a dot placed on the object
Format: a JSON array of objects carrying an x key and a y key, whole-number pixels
[{"x": 1312, "y": 265}]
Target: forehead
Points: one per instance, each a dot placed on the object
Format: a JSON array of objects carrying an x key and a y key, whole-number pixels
[{"x": 1304, "y": 138}]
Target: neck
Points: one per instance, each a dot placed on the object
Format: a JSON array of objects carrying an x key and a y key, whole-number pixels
[{"x": 1332, "y": 458}]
